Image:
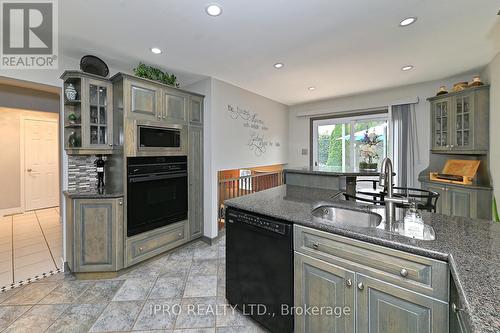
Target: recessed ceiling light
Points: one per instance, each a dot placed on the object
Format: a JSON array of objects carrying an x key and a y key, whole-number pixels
[
  {"x": 155, "y": 50},
  {"x": 213, "y": 9},
  {"x": 407, "y": 21},
  {"x": 311, "y": 88},
  {"x": 407, "y": 68},
  {"x": 278, "y": 65}
]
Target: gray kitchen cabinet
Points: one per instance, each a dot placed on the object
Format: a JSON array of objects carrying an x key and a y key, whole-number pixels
[
  {"x": 388, "y": 291},
  {"x": 96, "y": 234},
  {"x": 458, "y": 323},
  {"x": 460, "y": 121},
  {"x": 88, "y": 117},
  {"x": 145, "y": 100},
  {"x": 319, "y": 284},
  {"x": 385, "y": 308},
  {"x": 174, "y": 106},
  {"x": 196, "y": 110},
  {"x": 195, "y": 175},
  {"x": 154, "y": 242},
  {"x": 441, "y": 123},
  {"x": 456, "y": 200}
]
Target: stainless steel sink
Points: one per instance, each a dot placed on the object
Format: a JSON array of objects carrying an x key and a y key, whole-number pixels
[{"x": 345, "y": 216}]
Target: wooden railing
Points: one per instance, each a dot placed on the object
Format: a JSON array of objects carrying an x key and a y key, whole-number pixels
[{"x": 237, "y": 187}]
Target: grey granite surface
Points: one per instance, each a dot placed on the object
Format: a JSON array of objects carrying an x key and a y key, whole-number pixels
[
  {"x": 330, "y": 171},
  {"x": 471, "y": 247},
  {"x": 93, "y": 194}
]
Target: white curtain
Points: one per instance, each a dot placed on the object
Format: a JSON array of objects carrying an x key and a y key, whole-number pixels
[{"x": 405, "y": 150}]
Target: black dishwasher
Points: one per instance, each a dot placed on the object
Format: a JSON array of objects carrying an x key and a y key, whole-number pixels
[{"x": 259, "y": 268}]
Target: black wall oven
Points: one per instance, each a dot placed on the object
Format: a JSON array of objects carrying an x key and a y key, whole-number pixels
[{"x": 157, "y": 192}]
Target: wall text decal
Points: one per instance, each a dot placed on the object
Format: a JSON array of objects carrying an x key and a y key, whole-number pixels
[{"x": 257, "y": 141}]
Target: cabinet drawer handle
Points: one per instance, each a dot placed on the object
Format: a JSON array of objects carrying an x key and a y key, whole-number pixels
[
  {"x": 361, "y": 286},
  {"x": 404, "y": 272},
  {"x": 455, "y": 308},
  {"x": 316, "y": 246},
  {"x": 348, "y": 282}
]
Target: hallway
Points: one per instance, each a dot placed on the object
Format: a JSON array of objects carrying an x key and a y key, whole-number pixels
[{"x": 30, "y": 245}]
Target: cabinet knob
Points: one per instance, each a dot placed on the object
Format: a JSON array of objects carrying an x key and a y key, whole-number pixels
[
  {"x": 111, "y": 145},
  {"x": 403, "y": 272},
  {"x": 316, "y": 246},
  {"x": 455, "y": 308},
  {"x": 120, "y": 203},
  {"x": 140, "y": 249},
  {"x": 180, "y": 235},
  {"x": 452, "y": 146},
  {"x": 361, "y": 286},
  {"x": 164, "y": 117},
  {"x": 159, "y": 116},
  {"x": 348, "y": 282}
]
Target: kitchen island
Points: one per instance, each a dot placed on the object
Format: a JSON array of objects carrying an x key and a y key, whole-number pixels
[
  {"x": 469, "y": 247},
  {"x": 326, "y": 177}
]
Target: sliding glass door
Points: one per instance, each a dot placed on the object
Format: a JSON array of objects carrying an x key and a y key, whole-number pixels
[{"x": 344, "y": 143}]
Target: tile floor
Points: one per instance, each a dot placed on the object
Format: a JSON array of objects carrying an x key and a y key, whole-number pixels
[
  {"x": 191, "y": 277},
  {"x": 30, "y": 245}
]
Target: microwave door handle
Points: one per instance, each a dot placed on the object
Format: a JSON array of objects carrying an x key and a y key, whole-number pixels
[{"x": 156, "y": 177}]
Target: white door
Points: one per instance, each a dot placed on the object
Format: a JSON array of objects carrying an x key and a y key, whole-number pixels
[{"x": 41, "y": 164}]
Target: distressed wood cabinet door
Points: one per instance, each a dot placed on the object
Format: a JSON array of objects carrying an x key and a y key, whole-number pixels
[
  {"x": 323, "y": 285},
  {"x": 441, "y": 115},
  {"x": 386, "y": 308},
  {"x": 175, "y": 106},
  {"x": 98, "y": 226},
  {"x": 195, "y": 175},
  {"x": 463, "y": 126},
  {"x": 145, "y": 101},
  {"x": 196, "y": 110}
]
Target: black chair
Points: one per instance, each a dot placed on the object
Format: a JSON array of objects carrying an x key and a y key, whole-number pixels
[{"x": 426, "y": 200}]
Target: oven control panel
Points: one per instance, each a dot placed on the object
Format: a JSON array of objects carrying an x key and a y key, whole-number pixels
[{"x": 239, "y": 217}]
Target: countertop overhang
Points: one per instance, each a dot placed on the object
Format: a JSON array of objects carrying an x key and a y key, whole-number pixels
[
  {"x": 470, "y": 246},
  {"x": 330, "y": 171}
]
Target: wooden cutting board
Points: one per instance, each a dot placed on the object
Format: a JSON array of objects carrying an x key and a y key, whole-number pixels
[{"x": 467, "y": 168}]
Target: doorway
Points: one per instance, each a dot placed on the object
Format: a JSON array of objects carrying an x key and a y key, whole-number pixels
[{"x": 30, "y": 223}]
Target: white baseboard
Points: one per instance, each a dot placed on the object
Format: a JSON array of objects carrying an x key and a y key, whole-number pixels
[{"x": 11, "y": 211}]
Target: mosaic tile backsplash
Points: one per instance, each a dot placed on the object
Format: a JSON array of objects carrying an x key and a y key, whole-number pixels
[{"x": 82, "y": 174}]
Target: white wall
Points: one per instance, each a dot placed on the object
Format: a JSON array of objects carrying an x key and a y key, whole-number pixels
[
  {"x": 492, "y": 75},
  {"x": 226, "y": 139},
  {"x": 299, "y": 126}
]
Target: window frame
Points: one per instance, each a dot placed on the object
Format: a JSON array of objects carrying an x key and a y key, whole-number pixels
[{"x": 341, "y": 118}]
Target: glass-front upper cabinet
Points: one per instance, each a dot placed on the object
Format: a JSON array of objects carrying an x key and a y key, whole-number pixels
[
  {"x": 463, "y": 122},
  {"x": 88, "y": 114},
  {"x": 441, "y": 124},
  {"x": 98, "y": 106},
  {"x": 460, "y": 121}
]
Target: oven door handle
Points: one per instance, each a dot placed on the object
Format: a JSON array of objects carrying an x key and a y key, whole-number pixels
[{"x": 155, "y": 177}]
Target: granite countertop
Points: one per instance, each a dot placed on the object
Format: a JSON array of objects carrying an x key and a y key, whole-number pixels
[
  {"x": 330, "y": 171},
  {"x": 92, "y": 194},
  {"x": 471, "y": 247}
]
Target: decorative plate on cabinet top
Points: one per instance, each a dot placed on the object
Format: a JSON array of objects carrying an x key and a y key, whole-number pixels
[{"x": 93, "y": 65}]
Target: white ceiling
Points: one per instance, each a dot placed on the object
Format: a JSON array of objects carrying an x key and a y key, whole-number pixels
[{"x": 340, "y": 46}]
